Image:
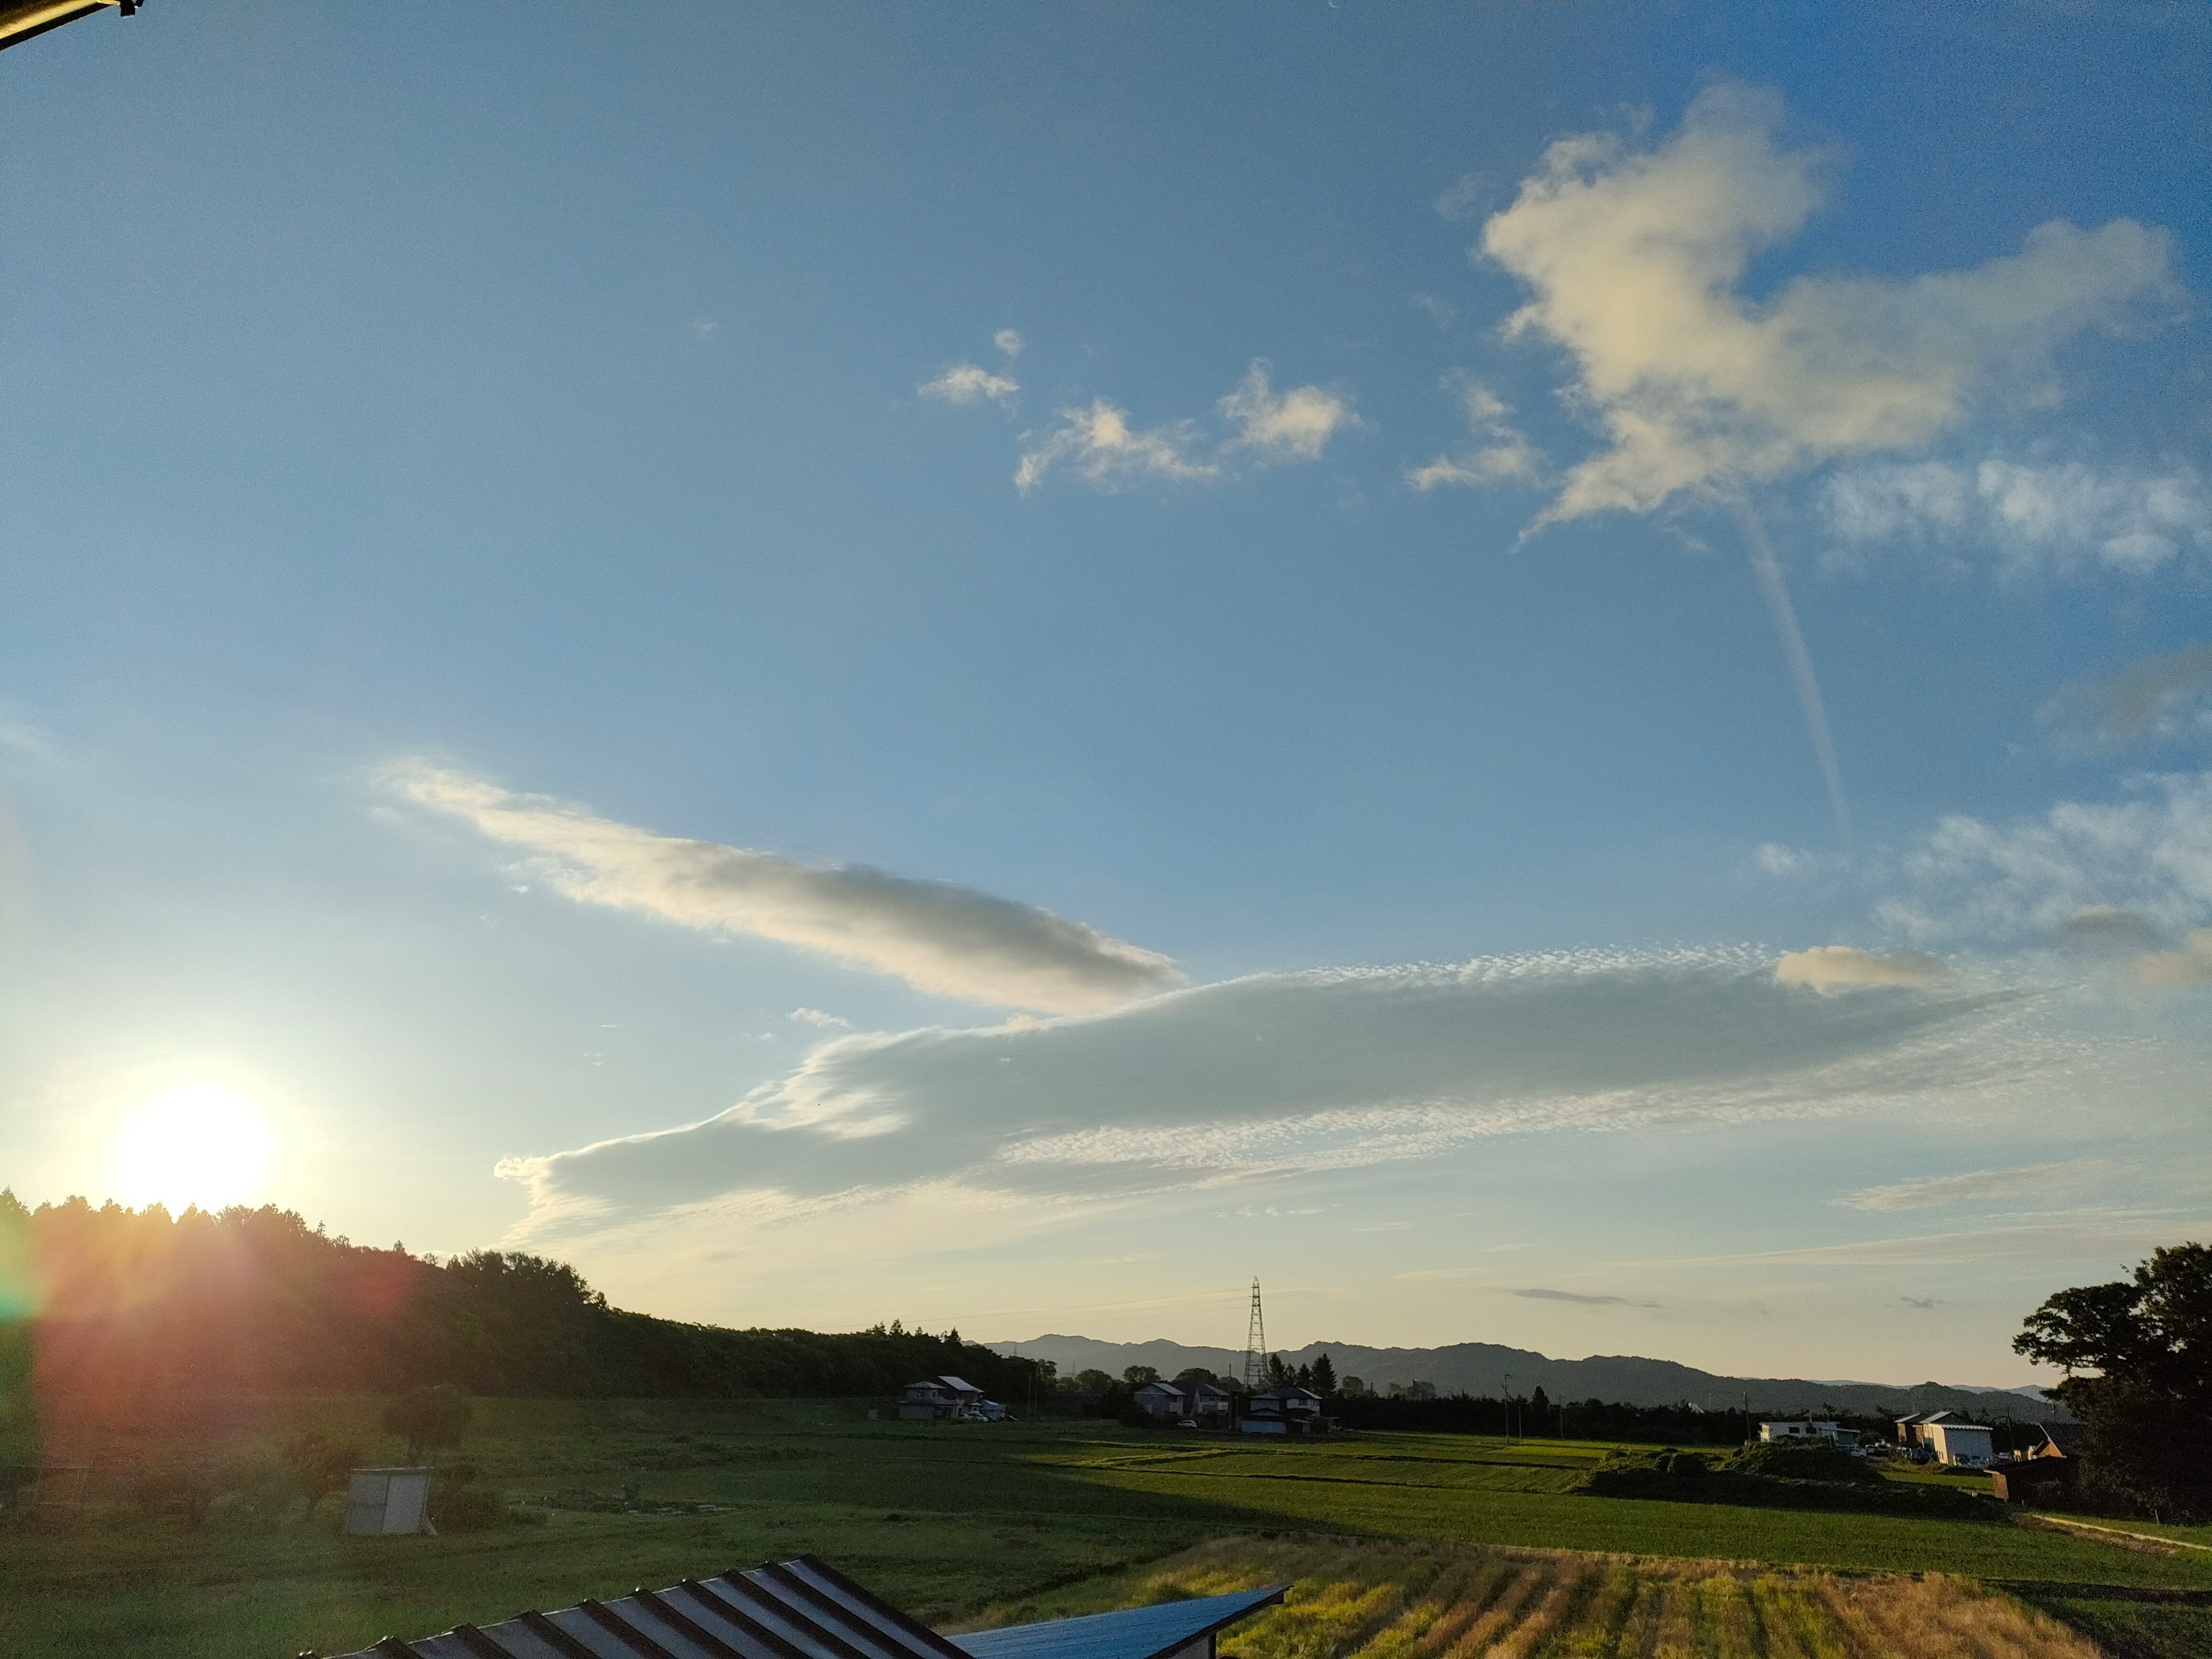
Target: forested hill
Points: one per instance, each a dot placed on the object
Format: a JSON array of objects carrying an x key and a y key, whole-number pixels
[
  {"x": 1481, "y": 1368},
  {"x": 124, "y": 1312}
]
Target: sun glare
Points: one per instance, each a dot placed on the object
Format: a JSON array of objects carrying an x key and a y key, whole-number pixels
[{"x": 205, "y": 1146}]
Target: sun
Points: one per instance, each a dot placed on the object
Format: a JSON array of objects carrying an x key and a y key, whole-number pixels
[{"x": 205, "y": 1146}]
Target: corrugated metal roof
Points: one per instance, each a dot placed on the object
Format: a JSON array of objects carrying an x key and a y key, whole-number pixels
[
  {"x": 801, "y": 1609},
  {"x": 1132, "y": 1633}
]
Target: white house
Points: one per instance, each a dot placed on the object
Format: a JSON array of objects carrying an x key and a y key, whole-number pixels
[
  {"x": 1805, "y": 1431},
  {"x": 1965, "y": 1445},
  {"x": 1289, "y": 1410},
  {"x": 938, "y": 1397},
  {"x": 1194, "y": 1401}
]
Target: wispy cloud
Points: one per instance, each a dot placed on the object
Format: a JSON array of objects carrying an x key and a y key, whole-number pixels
[
  {"x": 967, "y": 383},
  {"x": 1331, "y": 1069},
  {"x": 816, "y": 1016},
  {"x": 949, "y": 940},
  {"x": 1538, "y": 1294},
  {"x": 1291, "y": 426},
  {"x": 1100, "y": 446},
  {"x": 1501, "y": 455},
  {"x": 2150, "y": 856},
  {"x": 2049, "y": 520},
  {"x": 1975, "y": 1187},
  {"x": 2168, "y": 697},
  {"x": 1635, "y": 257},
  {"x": 2170, "y": 970},
  {"x": 1831, "y": 969},
  {"x": 1008, "y": 341}
]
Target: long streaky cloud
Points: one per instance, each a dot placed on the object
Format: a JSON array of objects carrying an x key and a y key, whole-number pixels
[
  {"x": 1283, "y": 1073},
  {"x": 949, "y": 940},
  {"x": 1771, "y": 589}
]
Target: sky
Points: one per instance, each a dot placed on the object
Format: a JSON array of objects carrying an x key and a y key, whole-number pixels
[{"x": 1542, "y": 673}]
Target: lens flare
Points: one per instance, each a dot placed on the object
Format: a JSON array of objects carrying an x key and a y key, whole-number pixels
[{"x": 205, "y": 1146}]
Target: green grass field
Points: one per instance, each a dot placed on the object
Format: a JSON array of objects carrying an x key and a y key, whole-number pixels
[{"x": 947, "y": 1520}]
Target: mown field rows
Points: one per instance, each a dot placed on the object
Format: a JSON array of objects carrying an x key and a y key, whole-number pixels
[{"x": 1368, "y": 1601}]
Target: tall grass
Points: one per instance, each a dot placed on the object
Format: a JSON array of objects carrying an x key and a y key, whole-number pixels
[{"x": 1383, "y": 1600}]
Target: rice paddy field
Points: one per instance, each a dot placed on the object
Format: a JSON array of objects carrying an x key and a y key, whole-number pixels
[
  {"x": 1368, "y": 1601},
  {"x": 961, "y": 1522}
]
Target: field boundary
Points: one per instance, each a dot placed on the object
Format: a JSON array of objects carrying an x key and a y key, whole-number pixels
[{"x": 2121, "y": 1532}]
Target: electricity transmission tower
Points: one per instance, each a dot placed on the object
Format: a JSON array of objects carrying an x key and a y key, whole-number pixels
[{"x": 1256, "y": 1346}]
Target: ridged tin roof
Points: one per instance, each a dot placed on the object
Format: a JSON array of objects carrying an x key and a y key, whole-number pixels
[{"x": 805, "y": 1609}]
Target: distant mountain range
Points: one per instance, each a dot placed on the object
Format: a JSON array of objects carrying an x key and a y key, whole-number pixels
[{"x": 1481, "y": 1368}]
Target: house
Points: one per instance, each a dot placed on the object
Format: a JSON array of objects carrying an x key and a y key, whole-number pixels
[
  {"x": 1954, "y": 1440},
  {"x": 1825, "y": 1431},
  {"x": 938, "y": 1397},
  {"x": 1194, "y": 1401},
  {"x": 2059, "y": 1440},
  {"x": 1908, "y": 1428},
  {"x": 2033, "y": 1478},
  {"x": 1288, "y": 1410},
  {"x": 806, "y": 1609}
]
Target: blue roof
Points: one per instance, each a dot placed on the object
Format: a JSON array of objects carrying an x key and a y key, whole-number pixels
[{"x": 1133, "y": 1634}]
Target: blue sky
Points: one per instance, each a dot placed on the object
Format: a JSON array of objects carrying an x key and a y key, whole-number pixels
[{"x": 1003, "y": 666}]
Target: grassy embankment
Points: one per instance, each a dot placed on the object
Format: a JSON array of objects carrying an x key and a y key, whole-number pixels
[{"x": 946, "y": 1520}]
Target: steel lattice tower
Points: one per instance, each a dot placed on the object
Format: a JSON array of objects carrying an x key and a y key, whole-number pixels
[{"x": 1255, "y": 1345}]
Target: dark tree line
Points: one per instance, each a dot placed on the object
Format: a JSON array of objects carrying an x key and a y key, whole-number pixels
[
  {"x": 133, "y": 1313},
  {"x": 2138, "y": 1357}
]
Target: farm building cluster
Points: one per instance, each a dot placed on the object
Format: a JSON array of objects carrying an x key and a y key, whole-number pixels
[{"x": 1186, "y": 1403}]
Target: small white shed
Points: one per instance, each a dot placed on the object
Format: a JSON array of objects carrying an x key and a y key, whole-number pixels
[{"x": 385, "y": 1503}]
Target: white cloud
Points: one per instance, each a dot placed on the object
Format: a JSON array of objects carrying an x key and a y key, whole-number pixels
[
  {"x": 1634, "y": 255},
  {"x": 1100, "y": 447},
  {"x": 1440, "y": 310},
  {"x": 816, "y": 1016},
  {"x": 1832, "y": 970},
  {"x": 949, "y": 940},
  {"x": 1464, "y": 196},
  {"x": 24, "y": 739},
  {"x": 1295, "y": 426},
  {"x": 2168, "y": 697},
  {"x": 1008, "y": 341},
  {"x": 2051, "y": 521},
  {"x": 2150, "y": 855},
  {"x": 1506, "y": 457},
  {"x": 1327, "y": 1069},
  {"x": 2169, "y": 970},
  {"x": 1977, "y": 1186},
  {"x": 967, "y": 383}
]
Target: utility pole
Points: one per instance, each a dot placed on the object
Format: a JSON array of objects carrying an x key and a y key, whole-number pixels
[{"x": 1509, "y": 1408}]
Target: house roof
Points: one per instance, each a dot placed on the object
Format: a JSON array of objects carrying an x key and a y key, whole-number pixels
[
  {"x": 1958, "y": 1424},
  {"x": 2065, "y": 1435},
  {"x": 1943, "y": 1417},
  {"x": 1132, "y": 1633},
  {"x": 806, "y": 1609},
  {"x": 957, "y": 1386},
  {"x": 1208, "y": 1388}
]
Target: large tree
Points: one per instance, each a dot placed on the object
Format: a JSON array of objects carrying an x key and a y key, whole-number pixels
[{"x": 2137, "y": 1354}]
